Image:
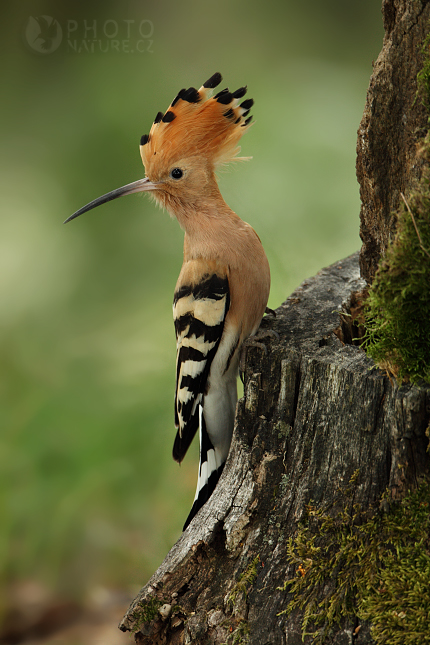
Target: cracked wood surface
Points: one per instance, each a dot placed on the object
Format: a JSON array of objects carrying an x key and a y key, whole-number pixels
[
  {"x": 313, "y": 412},
  {"x": 394, "y": 121}
]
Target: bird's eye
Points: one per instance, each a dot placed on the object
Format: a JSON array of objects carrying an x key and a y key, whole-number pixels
[{"x": 176, "y": 173}]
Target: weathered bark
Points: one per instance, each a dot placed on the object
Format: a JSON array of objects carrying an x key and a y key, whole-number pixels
[
  {"x": 314, "y": 410},
  {"x": 313, "y": 413},
  {"x": 394, "y": 121}
]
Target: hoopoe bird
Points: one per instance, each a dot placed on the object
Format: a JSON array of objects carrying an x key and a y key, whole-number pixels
[{"x": 223, "y": 287}]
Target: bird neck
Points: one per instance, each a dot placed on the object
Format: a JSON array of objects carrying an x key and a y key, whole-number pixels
[
  {"x": 211, "y": 228},
  {"x": 210, "y": 231}
]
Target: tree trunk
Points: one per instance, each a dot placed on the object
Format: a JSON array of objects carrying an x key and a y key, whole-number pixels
[
  {"x": 317, "y": 425},
  {"x": 394, "y": 121},
  {"x": 313, "y": 414}
]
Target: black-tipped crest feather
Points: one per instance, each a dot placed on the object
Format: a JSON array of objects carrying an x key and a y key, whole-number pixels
[
  {"x": 225, "y": 99},
  {"x": 213, "y": 81},
  {"x": 213, "y": 125},
  {"x": 240, "y": 92},
  {"x": 168, "y": 117},
  {"x": 247, "y": 104},
  {"x": 191, "y": 95}
]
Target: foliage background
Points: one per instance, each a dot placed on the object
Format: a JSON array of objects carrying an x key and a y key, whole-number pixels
[{"x": 89, "y": 494}]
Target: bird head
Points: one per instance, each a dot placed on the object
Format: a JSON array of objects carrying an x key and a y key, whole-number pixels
[{"x": 185, "y": 145}]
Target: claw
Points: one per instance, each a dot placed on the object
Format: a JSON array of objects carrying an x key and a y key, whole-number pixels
[
  {"x": 254, "y": 341},
  {"x": 270, "y": 311}
]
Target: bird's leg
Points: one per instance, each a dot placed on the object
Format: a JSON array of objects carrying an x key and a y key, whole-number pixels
[{"x": 272, "y": 312}]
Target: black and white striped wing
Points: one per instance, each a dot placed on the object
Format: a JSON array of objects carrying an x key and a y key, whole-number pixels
[{"x": 199, "y": 312}]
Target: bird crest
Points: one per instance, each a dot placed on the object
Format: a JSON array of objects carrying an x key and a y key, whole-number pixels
[{"x": 198, "y": 124}]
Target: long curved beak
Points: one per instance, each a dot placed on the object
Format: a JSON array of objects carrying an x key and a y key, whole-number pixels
[{"x": 138, "y": 186}]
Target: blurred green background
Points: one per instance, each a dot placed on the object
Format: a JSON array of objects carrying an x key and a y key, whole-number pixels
[{"x": 89, "y": 493}]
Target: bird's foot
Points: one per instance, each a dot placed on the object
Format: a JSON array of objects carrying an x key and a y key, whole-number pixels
[
  {"x": 255, "y": 341},
  {"x": 272, "y": 312}
]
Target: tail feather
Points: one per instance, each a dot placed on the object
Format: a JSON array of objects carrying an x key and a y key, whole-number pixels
[
  {"x": 210, "y": 469},
  {"x": 182, "y": 443}
]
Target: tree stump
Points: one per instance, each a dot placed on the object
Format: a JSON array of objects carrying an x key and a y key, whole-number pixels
[
  {"x": 316, "y": 416},
  {"x": 313, "y": 413}
]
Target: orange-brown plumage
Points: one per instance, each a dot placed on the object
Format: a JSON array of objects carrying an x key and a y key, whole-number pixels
[
  {"x": 203, "y": 127},
  {"x": 224, "y": 283}
]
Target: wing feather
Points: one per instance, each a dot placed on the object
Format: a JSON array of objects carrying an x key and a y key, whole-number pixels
[{"x": 199, "y": 311}]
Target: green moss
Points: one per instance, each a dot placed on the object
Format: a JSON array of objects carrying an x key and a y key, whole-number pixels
[
  {"x": 397, "y": 313},
  {"x": 377, "y": 567},
  {"x": 398, "y": 603},
  {"x": 399, "y": 608},
  {"x": 240, "y": 630},
  {"x": 147, "y": 611},
  {"x": 240, "y": 635},
  {"x": 423, "y": 78},
  {"x": 245, "y": 581}
]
